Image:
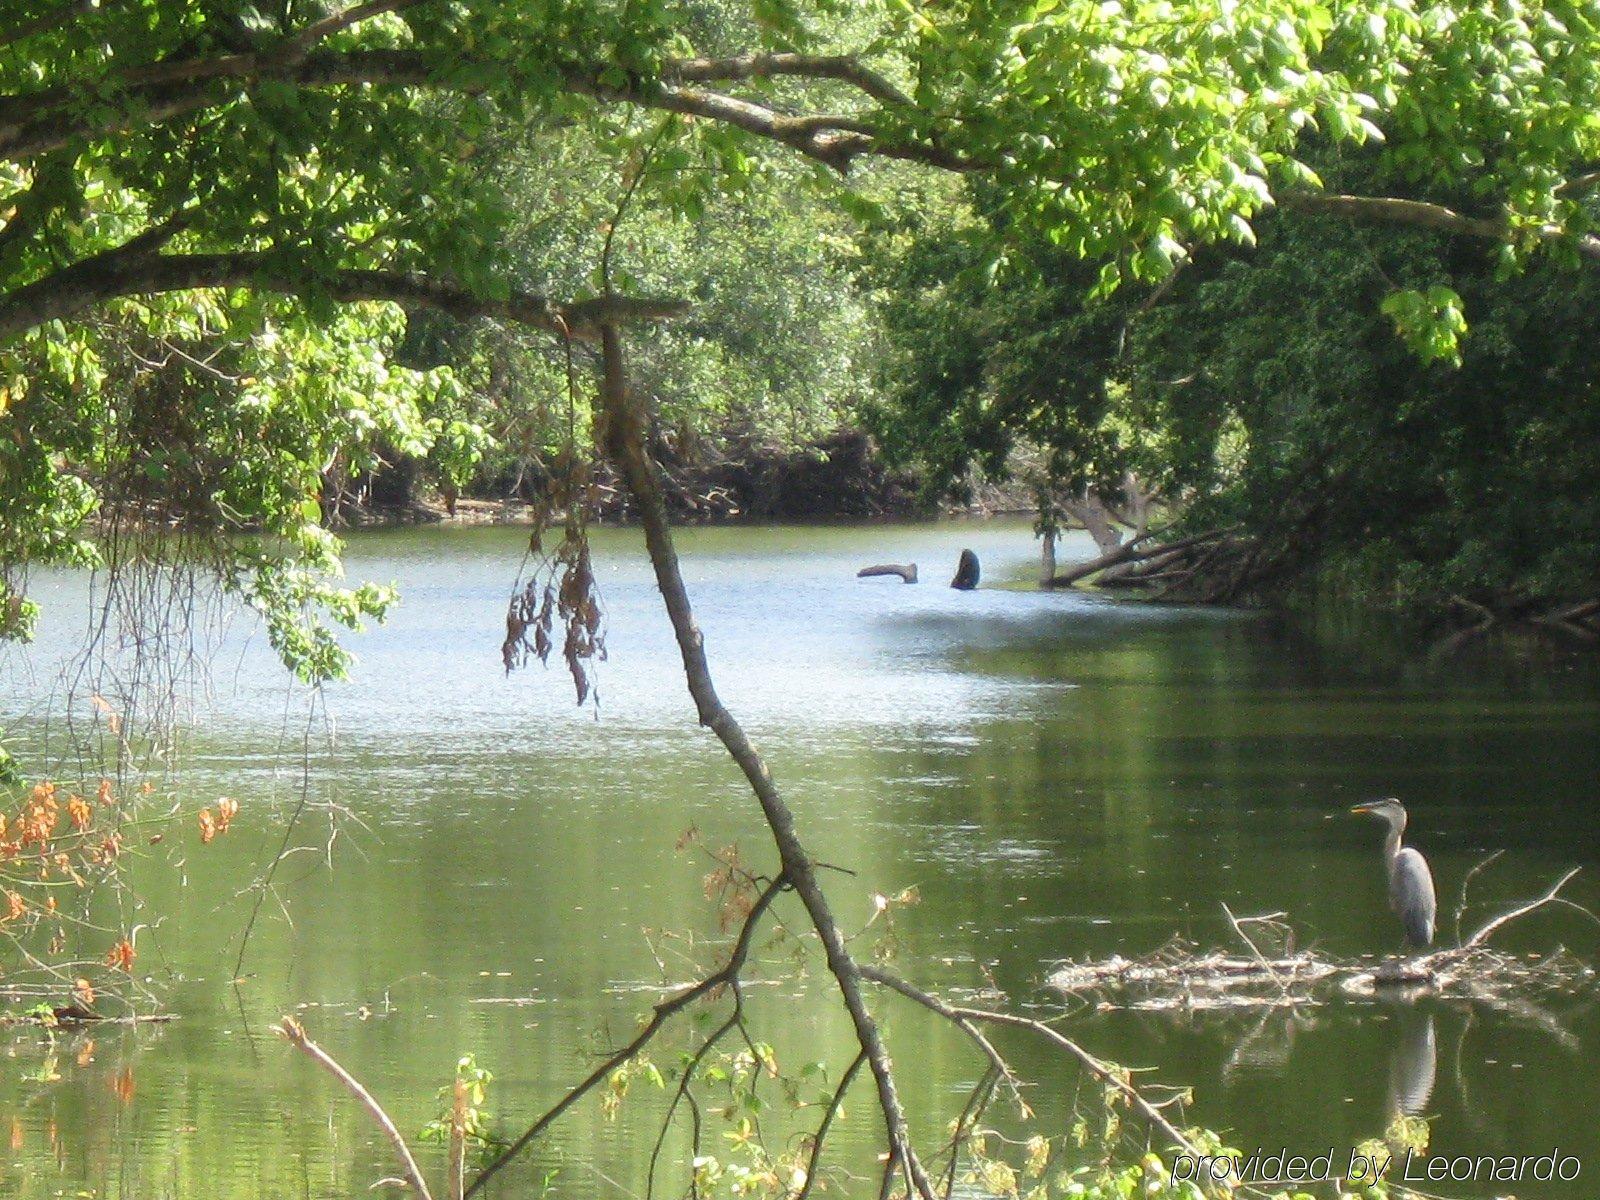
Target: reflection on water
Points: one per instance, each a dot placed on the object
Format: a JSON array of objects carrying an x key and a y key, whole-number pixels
[
  {"x": 1412, "y": 1065},
  {"x": 1056, "y": 775}
]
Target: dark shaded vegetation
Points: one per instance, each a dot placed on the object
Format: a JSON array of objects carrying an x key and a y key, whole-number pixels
[{"x": 1270, "y": 394}]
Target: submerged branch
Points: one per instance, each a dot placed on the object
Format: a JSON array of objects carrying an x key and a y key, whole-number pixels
[
  {"x": 659, "y": 1016},
  {"x": 294, "y": 1033}
]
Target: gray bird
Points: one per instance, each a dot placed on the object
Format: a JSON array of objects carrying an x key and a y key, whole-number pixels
[{"x": 1410, "y": 882}]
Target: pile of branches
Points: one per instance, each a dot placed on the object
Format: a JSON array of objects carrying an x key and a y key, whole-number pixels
[
  {"x": 1144, "y": 561},
  {"x": 1265, "y": 970}
]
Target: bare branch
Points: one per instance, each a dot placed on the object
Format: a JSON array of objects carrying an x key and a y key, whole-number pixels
[
  {"x": 682, "y": 1091},
  {"x": 821, "y": 1134},
  {"x": 294, "y": 1033},
  {"x": 1466, "y": 882},
  {"x": 626, "y": 446},
  {"x": 1522, "y": 910},
  {"x": 933, "y": 1003},
  {"x": 659, "y": 1016},
  {"x": 1131, "y": 551},
  {"x": 1108, "y": 1074}
]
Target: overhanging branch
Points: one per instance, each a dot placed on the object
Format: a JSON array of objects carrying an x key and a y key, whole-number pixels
[
  {"x": 37, "y": 122},
  {"x": 1422, "y": 214},
  {"x": 626, "y": 442},
  {"x": 129, "y": 272}
]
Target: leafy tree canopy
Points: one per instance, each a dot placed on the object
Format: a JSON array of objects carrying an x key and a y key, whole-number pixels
[{"x": 192, "y": 192}]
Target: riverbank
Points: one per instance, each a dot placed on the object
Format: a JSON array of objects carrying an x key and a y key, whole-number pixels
[{"x": 839, "y": 478}]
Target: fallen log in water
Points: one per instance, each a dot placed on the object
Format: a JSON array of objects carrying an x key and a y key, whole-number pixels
[
  {"x": 906, "y": 571},
  {"x": 1135, "y": 552},
  {"x": 1182, "y": 977}
]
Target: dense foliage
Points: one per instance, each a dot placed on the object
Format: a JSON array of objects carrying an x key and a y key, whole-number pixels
[
  {"x": 383, "y": 152},
  {"x": 1292, "y": 392},
  {"x": 1365, "y": 467}
]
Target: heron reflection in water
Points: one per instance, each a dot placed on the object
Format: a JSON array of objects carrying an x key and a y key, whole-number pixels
[{"x": 1413, "y": 1064}]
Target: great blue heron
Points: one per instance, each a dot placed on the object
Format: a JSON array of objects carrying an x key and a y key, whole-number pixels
[{"x": 1410, "y": 882}]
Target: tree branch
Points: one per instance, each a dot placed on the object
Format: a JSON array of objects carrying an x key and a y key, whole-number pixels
[
  {"x": 625, "y": 442},
  {"x": 1394, "y": 211},
  {"x": 841, "y": 67},
  {"x": 659, "y": 1016},
  {"x": 130, "y": 270},
  {"x": 821, "y": 1134},
  {"x": 35, "y": 123},
  {"x": 302, "y": 41},
  {"x": 294, "y": 1033},
  {"x": 1522, "y": 910},
  {"x": 1108, "y": 1074}
]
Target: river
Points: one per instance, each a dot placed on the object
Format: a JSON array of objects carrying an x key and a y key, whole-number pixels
[{"x": 1055, "y": 775}]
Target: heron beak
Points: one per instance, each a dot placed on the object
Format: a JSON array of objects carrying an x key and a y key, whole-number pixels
[{"x": 1361, "y": 808}]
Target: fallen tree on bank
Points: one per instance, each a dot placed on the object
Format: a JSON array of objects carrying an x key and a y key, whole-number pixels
[{"x": 1225, "y": 566}]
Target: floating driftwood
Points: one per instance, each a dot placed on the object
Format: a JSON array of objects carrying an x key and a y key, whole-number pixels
[
  {"x": 1182, "y": 976},
  {"x": 72, "y": 1015},
  {"x": 906, "y": 571}
]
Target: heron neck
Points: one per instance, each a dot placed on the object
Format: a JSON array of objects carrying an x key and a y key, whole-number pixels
[{"x": 1391, "y": 844}]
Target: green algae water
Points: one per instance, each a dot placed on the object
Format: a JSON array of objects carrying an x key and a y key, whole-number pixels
[{"x": 1056, "y": 775}]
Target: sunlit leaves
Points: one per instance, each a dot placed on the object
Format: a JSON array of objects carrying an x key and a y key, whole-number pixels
[{"x": 1431, "y": 322}]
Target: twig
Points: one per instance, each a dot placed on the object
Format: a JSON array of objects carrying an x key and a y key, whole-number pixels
[
  {"x": 682, "y": 1090},
  {"x": 659, "y": 1017},
  {"x": 1106, "y": 1073},
  {"x": 1260, "y": 958},
  {"x": 821, "y": 1134},
  {"x": 971, "y": 1113},
  {"x": 1488, "y": 931},
  {"x": 293, "y": 1032},
  {"x": 1466, "y": 882},
  {"x": 934, "y": 1004}
]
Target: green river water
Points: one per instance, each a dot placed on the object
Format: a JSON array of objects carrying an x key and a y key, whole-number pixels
[{"x": 1056, "y": 775}]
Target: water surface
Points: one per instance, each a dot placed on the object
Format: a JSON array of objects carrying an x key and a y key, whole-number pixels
[{"x": 1056, "y": 775}]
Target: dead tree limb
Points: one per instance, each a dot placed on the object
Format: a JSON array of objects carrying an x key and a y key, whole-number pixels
[
  {"x": 1504, "y": 919},
  {"x": 1130, "y": 552},
  {"x": 1478, "y": 868},
  {"x": 906, "y": 571},
  {"x": 659, "y": 1016},
  {"x": 294, "y": 1033},
  {"x": 626, "y": 444}
]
